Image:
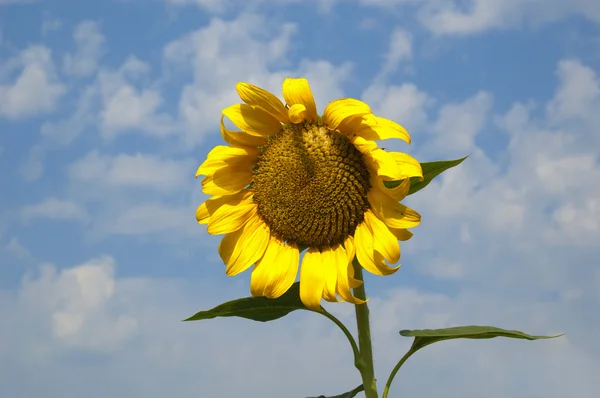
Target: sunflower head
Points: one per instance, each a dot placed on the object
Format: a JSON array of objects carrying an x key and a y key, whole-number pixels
[
  {"x": 291, "y": 178},
  {"x": 310, "y": 185}
]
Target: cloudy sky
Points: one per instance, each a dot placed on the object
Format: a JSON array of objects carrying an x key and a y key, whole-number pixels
[{"x": 107, "y": 108}]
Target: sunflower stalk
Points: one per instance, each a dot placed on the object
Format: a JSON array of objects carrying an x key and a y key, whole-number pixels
[{"x": 364, "y": 363}]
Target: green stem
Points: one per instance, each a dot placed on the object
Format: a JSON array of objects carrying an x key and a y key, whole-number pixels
[
  {"x": 388, "y": 384},
  {"x": 365, "y": 361},
  {"x": 346, "y": 332}
]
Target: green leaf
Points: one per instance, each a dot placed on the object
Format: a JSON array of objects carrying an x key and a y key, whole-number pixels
[
  {"x": 425, "y": 337},
  {"x": 263, "y": 309},
  {"x": 349, "y": 394},
  {"x": 430, "y": 171},
  {"x": 260, "y": 309}
]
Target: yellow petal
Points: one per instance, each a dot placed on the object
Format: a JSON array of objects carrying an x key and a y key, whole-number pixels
[
  {"x": 384, "y": 240},
  {"x": 253, "y": 121},
  {"x": 224, "y": 155},
  {"x": 230, "y": 218},
  {"x": 262, "y": 274},
  {"x": 239, "y": 137},
  {"x": 289, "y": 261},
  {"x": 256, "y": 96},
  {"x": 276, "y": 271},
  {"x": 250, "y": 246},
  {"x": 363, "y": 237},
  {"x": 350, "y": 253},
  {"x": 340, "y": 259},
  {"x": 297, "y": 113},
  {"x": 383, "y": 164},
  {"x": 362, "y": 144},
  {"x": 339, "y": 110},
  {"x": 401, "y": 233},
  {"x": 378, "y": 128},
  {"x": 330, "y": 273},
  {"x": 350, "y": 248},
  {"x": 354, "y": 283},
  {"x": 397, "y": 193},
  {"x": 409, "y": 166},
  {"x": 312, "y": 279},
  {"x": 227, "y": 180},
  {"x": 208, "y": 208},
  {"x": 392, "y": 213},
  {"x": 297, "y": 91},
  {"x": 367, "y": 256},
  {"x": 228, "y": 243}
]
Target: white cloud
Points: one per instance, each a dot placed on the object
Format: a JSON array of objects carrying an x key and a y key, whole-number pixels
[
  {"x": 65, "y": 131},
  {"x": 215, "y": 6},
  {"x": 33, "y": 166},
  {"x": 326, "y": 80},
  {"x": 127, "y": 108},
  {"x": 226, "y": 52},
  {"x": 399, "y": 49},
  {"x": 475, "y": 16},
  {"x": 133, "y": 171},
  {"x": 405, "y": 104},
  {"x": 220, "y": 55},
  {"x": 137, "y": 194},
  {"x": 7, "y": 2},
  {"x": 122, "y": 322},
  {"x": 533, "y": 215},
  {"x": 441, "y": 268},
  {"x": 53, "y": 209},
  {"x": 458, "y": 124},
  {"x": 51, "y": 25},
  {"x": 578, "y": 95},
  {"x": 112, "y": 104},
  {"x": 35, "y": 90},
  {"x": 16, "y": 249},
  {"x": 76, "y": 304},
  {"x": 148, "y": 218},
  {"x": 90, "y": 48}
]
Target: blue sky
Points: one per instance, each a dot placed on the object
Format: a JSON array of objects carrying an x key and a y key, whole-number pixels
[{"x": 108, "y": 107}]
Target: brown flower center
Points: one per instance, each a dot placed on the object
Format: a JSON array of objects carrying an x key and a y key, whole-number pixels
[{"x": 310, "y": 184}]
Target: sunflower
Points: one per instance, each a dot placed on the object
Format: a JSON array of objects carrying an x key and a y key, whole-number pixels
[{"x": 292, "y": 180}]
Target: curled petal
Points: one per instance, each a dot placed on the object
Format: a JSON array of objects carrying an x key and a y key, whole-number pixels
[
  {"x": 350, "y": 253},
  {"x": 256, "y": 96},
  {"x": 297, "y": 113},
  {"x": 409, "y": 166},
  {"x": 350, "y": 248},
  {"x": 367, "y": 256},
  {"x": 298, "y": 92},
  {"x": 363, "y": 145},
  {"x": 401, "y": 233},
  {"x": 382, "y": 164},
  {"x": 384, "y": 240},
  {"x": 239, "y": 137},
  {"x": 378, "y": 128},
  {"x": 397, "y": 193},
  {"x": 340, "y": 259},
  {"x": 392, "y": 213},
  {"x": 253, "y": 121},
  {"x": 354, "y": 283},
  {"x": 339, "y": 110}
]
